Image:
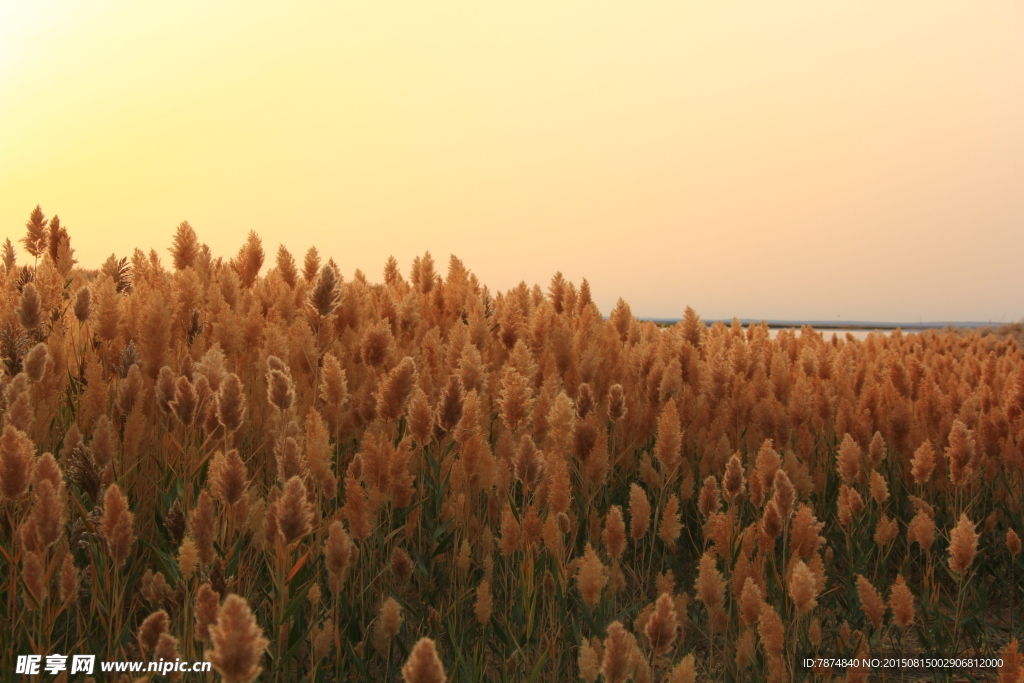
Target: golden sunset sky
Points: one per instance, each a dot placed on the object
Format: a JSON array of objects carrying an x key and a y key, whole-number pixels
[{"x": 789, "y": 160}]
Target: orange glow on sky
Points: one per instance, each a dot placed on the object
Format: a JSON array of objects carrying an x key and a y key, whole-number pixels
[{"x": 792, "y": 160}]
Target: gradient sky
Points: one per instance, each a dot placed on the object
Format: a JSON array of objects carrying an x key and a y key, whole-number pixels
[{"x": 804, "y": 160}]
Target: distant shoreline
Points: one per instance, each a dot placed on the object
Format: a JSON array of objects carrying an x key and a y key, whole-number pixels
[{"x": 840, "y": 324}]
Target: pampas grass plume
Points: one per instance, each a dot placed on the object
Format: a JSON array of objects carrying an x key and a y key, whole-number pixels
[
  {"x": 959, "y": 453},
  {"x": 805, "y": 533},
  {"x": 733, "y": 483},
  {"x": 238, "y": 642},
  {"x": 449, "y": 409},
  {"x": 401, "y": 565},
  {"x": 207, "y": 604},
  {"x": 292, "y": 510},
  {"x": 746, "y": 648},
  {"x": 901, "y": 602},
  {"x": 484, "y": 602},
  {"x": 49, "y": 513},
  {"x": 511, "y": 540},
  {"x": 30, "y": 308},
  {"x": 771, "y": 521},
  {"x": 289, "y": 459},
  {"x": 68, "y": 580},
  {"x": 389, "y": 620},
  {"x": 784, "y": 495},
  {"x": 83, "y": 304},
  {"x": 923, "y": 462},
  {"x": 167, "y": 650},
  {"x": 231, "y": 403},
  {"x": 709, "y": 502},
  {"x": 16, "y": 462},
  {"x": 529, "y": 464},
  {"x": 589, "y": 662},
  {"x": 591, "y": 576},
  {"x": 767, "y": 464},
  {"x": 516, "y": 399},
  {"x": 671, "y": 525},
  {"x": 885, "y": 530},
  {"x": 850, "y": 504},
  {"x": 116, "y": 525},
  {"x": 685, "y": 671},
  {"x": 396, "y": 389},
  {"x": 421, "y": 417},
  {"x": 1010, "y": 670},
  {"x": 334, "y": 385},
  {"x": 803, "y": 588},
  {"x": 616, "y": 403},
  {"x": 184, "y": 405},
  {"x": 36, "y": 362},
  {"x": 151, "y": 628},
  {"x": 324, "y": 295},
  {"x": 870, "y": 601},
  {"x": 228, "y": 478},
  {"x": 559, "y": 487},
  {"x": 661, "y": 627},
  {"x": 201, "y": 527},
  {"x": 188, "y": 558},
  {"x": 848, "y": 460},
  {"x": 33, "y": 573},
  {"x": 617, "y": 660},
  {"x": 1012, "y": 542},
  {"x": 921, "y": 530},
  {"x": 963, "y": 546},
  {"x": 876, "y": 450},
  {"x": 710, "y": 585},
  {"x": 614, "y": 535},
  {"x": 770, "y": 629},
  {"x": 669, "y": 440},
  {"x": 750, "y": 602},
  {"x": 879, "y": 489},
  {"x": 423, "y": 665},
  {"x": 280, "y": 391},
  {"x": 356, "y": 510}
]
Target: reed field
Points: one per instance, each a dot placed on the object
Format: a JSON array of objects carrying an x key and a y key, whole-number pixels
[{"x": 302, "y": 475}]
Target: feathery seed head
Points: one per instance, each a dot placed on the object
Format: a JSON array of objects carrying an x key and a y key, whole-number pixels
[
  {"x": 36, "y": 362},
  {"x": 618, "y": 654},
  {"x": 201, "y": 526},
  {"x": 848, "y": 460},
  {"x": 671, "y": 526},
  {"x": 591, "y": 576},
  {"x": 116, "y": 525},
  {"x": 83, "y": 304},
  {"x": 803, "y": 588},
  {"x": 16, "y": 462},
  {"x": 1012, "y": 542},
  {"x": 614, "y": 535},
  {"x": 423, "y": 665},
  {"x": 901, "y": 602},
  {"x": 733, "y": 483},
  {"x": 30, "y": 308},
  {"x": 661, "y": 627},
  {"x": 871, "y": 601},
  {"x": 151, "y": 629},
  {"x": 770, "y": 628},
  {"x": 963, "y": 546},
  {"x": 709, "y": 501},
  {"x": 923, "y": 462},
  {"x": 292, "y": 510},
  {"x": 238, "y": 642}
]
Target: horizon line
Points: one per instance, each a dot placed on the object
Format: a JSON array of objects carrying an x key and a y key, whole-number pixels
[{"x": 837, "y": 324}]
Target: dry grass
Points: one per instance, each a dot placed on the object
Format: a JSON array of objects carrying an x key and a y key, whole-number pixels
[{"x": 329, "y": 479}]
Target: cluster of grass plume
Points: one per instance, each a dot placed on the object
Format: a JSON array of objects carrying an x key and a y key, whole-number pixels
[{"x": 303, "y": 475}]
